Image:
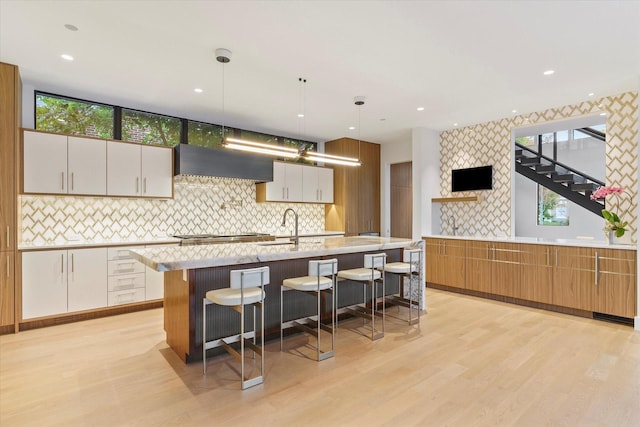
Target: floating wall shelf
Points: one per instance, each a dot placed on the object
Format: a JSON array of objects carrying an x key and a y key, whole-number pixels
[{"x": 455, "y": 199}]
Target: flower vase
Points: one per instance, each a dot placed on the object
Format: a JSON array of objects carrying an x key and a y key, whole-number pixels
[{"x": 611, "y": 236}]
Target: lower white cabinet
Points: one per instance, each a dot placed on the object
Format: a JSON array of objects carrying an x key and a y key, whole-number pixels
[
  {"x": 44, "y": 283},
  {"x": 63, "y": 281},
  {"x": 55, "y": 282},
  {"x": 86, "y": 279}
]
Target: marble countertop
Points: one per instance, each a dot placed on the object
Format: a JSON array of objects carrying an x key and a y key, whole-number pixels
[
  {"x": 591, "y": 243},
  {"x": 70, "y": 244},
  {"x": 202, "y": 256}
]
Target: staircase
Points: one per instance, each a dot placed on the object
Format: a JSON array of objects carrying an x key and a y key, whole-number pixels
[{"x": 559, "y": 178}]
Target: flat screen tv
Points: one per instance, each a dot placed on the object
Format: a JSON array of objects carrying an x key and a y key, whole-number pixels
[{"x": 469, "y": 179}]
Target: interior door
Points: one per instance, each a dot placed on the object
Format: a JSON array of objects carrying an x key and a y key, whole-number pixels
[{"x": 401, "y": 200}]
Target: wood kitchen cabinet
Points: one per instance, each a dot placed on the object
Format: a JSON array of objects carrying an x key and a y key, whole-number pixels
[
  {"x": 574, "y": 277},
  {"x": 10, "y": 122},
  {"x": 505, "y": 270},
  {"x": 478, "y": 266},
  {"x": 445, "y": 262},
  {"x": 61, "y": 164},
  {"x": 615, "y": 287},
  {"x": 356, "y": 207},
  {"x": 536, "y": 273}
]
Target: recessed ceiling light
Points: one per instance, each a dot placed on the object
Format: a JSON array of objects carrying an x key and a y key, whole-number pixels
[
  {"x": 71, "y": 27},
  {"x": 300, "y": 115},
  {"x": 455, "y": 124},
  {"x": 382, "y": 119},
  {"x": 514, "y": 111},
  {"x": 603, "y": 114},
  {"x": 591, "y": 94},
  {"x": 66, "y": 57},
  {"x": 548, "y": 72},
  {"x": 420, "y": 108},
  {"x": 197, "y": 90},
  {"x": 352, "y": 127}
]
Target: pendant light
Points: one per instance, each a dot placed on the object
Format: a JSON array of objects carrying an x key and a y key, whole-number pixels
[
  {"x": 224, "y": 57},
  {"x": 340, "y": 160}
]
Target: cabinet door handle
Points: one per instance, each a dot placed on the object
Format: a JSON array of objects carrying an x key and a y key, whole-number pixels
[
  {"x": 494, "y": 253},
  {"x": 488, "y": 252},
  {"x": 72, "y": 268},
  {"x": 72, "y": 181},
  {"x": 62, "y": 180},
  {"x": 61, "y": 263},
  {"x": 444, "y": 248},
  {"x": 548, "y": 257},
  {"x": 8, "y": 273},
  {"x": 144, "y": 185},
  {"x": 321, "y": 195},
  {"x": 287, "y": 193},
  {"x": 556, "y": 257},
  {"x": 597, "y": 278}
]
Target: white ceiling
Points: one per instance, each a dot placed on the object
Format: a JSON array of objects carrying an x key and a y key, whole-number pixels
[{"x": 465, "y": 62}]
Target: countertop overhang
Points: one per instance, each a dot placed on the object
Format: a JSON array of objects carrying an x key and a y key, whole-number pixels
[
  {"x": 204, "y": 256},
  {"x": 540, "y": 241}
]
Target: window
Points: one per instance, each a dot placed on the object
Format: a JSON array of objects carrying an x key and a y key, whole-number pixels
[
  {"x": 74, "y": 117},
  {"x": 553, "y": 209},
  {"x": 149, "y": 128},
  {"x": 206, "y": 135}
]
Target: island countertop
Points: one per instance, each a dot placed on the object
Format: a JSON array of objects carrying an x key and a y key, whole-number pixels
[{"x": 204, "y": 256}]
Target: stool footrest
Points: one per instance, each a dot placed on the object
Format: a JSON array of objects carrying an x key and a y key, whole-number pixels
[
  {"x": 402, "y": 301},
  {"x": 361, "y": 311},
  {"x": 227, "y": 340}
]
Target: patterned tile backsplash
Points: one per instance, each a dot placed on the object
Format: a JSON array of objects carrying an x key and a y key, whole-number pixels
[
  {"x": 490, "y": 144},
  {"x": 200, "y": 205}
]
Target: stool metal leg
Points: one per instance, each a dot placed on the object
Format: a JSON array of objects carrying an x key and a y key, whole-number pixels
[{"x": 204, "y": 336}]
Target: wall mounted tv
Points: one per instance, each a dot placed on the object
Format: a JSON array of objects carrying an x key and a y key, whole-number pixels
[{"x": 469, "y": 179}]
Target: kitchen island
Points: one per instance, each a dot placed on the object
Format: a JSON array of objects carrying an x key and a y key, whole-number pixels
[{"x": 191, "y": 271}]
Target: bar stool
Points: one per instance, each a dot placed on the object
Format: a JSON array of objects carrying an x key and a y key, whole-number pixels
[
  {"x": 316, "y": 283},
  {"x": 368, "y": 276},
  {"x": 246, "y": 288},
  {"x": 409, "y": 269}
]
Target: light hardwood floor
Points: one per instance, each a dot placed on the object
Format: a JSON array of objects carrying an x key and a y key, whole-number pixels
[{"x": 471, "y": 362}]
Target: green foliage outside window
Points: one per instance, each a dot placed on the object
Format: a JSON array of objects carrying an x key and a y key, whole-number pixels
[
  {"x": 552, "y": 208},
  {"x": 63, "y": 115},
  {"x": 206, "y": 135},
  {"x": 147, "y": 128}
]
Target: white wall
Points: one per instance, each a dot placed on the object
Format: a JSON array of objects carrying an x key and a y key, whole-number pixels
[
  {"x": 390, "y": 154},
  {"x": 425, "y": 147}
]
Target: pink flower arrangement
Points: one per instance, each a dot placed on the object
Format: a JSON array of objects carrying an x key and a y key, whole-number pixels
[
  {"x": 605, "y": 191},
  {"x": 614, "y": 223}
]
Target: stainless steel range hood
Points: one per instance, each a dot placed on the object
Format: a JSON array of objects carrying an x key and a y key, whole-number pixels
[{"x": 202, "y": 161}]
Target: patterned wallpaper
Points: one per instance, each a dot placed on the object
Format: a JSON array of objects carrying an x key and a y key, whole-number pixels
[
  {"x": 200, "y": 205},
  {"x": 490, "y": 144}
]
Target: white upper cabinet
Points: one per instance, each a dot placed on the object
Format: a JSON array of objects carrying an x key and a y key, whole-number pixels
[
  {"x": 325, "y": 184},
  {"x": 139, "y": 170},
  {"x": 57, "y": 164},
  {"x": 317, "y": 185},
  {"x": 297, "y": 183},
  {"x": 61, "y": 164},
  {"x": 287, "y": 183},
  {"x": 157, "y": 171},
  {"x": 123, "y": 169},
  {"x": 87, "y": 166},
  {"x": 45, "y": 163}
]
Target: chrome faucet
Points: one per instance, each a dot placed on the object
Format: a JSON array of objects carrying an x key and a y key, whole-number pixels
[
  {"x": 454, "y": 227},
  {"x": 295, "y": 239}
]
